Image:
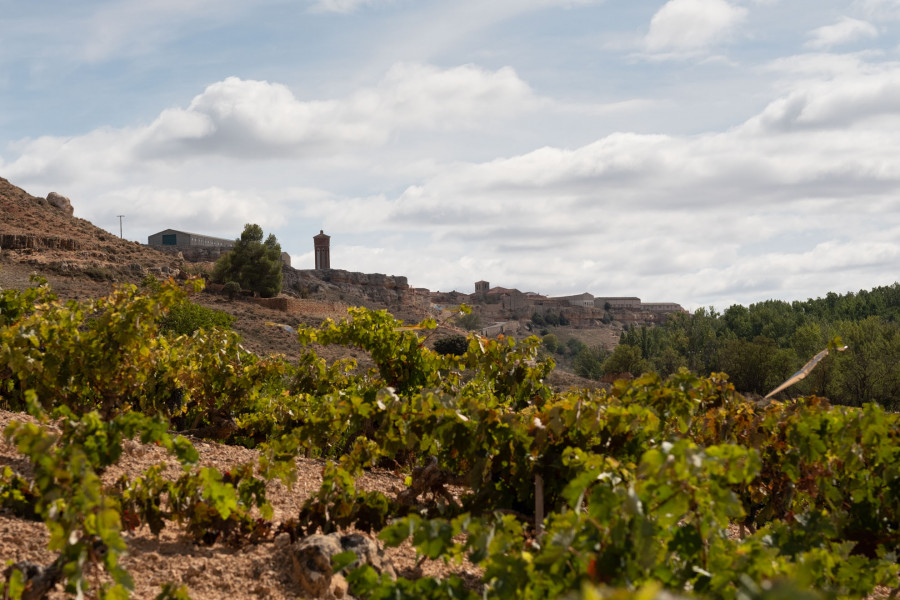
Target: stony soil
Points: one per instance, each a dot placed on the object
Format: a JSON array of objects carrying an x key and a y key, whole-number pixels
[
  {"x": 103, "y": 261},
  {"x": 209, "y": 572}
]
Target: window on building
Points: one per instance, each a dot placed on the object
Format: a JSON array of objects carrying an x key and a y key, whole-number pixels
[{"x": 169, "y": 239}]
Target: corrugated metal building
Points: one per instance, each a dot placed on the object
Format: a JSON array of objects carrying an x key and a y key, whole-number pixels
[{"x": 186, "y": 239}]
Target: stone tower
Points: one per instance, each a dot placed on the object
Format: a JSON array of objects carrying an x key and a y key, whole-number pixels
[{"x": 322, "y": 246}]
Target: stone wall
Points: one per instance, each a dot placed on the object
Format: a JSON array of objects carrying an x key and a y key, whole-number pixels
[
  {"x": 194, "y": 253},
  {"x": 495, "y": 329},
  {"x": 303, "y": 306}
]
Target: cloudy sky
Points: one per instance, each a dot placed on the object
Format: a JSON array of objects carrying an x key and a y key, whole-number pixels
[{"x": 705, "y": 152}]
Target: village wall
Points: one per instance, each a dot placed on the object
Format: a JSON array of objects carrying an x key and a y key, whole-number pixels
[{"x": 303, "y": 306}]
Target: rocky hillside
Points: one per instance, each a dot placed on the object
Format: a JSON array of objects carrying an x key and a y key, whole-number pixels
[
  {"x": 80, "y": 260},
  {"x": 43, "y": 233}
]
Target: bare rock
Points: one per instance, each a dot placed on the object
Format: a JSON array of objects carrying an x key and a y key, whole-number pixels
[
  {"x": 339, "y": 587},
  {"x": 312, "y": 562},
  {"x": 61, "y": 202}
]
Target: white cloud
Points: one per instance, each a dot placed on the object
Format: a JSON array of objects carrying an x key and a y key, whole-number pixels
[
  {"x": 487, "y": 11},
  {"x": 213, "y": 210},
  {"x": 879, "y": 9},
  {"x": 689, "y": 26},
  {"x": 835, "y": 98},
  {"x": 845, "y": 31},
  {"x": 257, "y": 120},
  {"x": 344, "y": 6},
  {"x": 803, "y": 195},
  {"x": 752, "y": 212},
  {"x": 131, "y": 27},
  {"x": 823, "y": 65}
]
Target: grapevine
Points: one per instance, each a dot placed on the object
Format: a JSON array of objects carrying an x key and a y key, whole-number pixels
[{"x": 643, "y": 487}]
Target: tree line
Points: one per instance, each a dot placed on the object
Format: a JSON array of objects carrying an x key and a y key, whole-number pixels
[{"x": 760, "y": 345}]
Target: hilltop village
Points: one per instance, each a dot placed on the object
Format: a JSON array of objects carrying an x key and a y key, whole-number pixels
[{"x": 500, "y": 310}]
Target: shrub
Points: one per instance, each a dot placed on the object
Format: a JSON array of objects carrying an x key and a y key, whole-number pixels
[
  {"x": 575, "y": 346},
  {"x": 589, "y": 362},
  {"x": 186, "y": 318},
  {"x": 232, "y": 289},
  {"x": 551, "y": 343},
  {"x": 455, "y": 345},
  {"x": 469, "y": 322}
]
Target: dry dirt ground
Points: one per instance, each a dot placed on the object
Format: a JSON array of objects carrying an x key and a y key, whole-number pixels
[
  {"x": 101, "y": 261},
  {"x": 250, "y": 572},
  {"x": 209, "y": 572},
  {"x": 607, "y": 336},
  {"x": 256, "y": 571}
]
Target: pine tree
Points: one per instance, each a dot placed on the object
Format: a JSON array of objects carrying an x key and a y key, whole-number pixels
[{"x": 252, "y": 263}]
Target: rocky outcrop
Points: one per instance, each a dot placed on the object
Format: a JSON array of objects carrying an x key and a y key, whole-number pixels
[
  {"x": 28, "y": 241},
  {"x": 346, "y": 286},
  {"x": 61, "y": 202},
  {"x": 312, "y": 556},
  {"x": 337, "y": 276}
]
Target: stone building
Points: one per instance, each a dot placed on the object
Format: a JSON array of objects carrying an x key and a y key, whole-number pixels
[
  {"x": 662, "y": 307},
  {"x": 585, "y": 299},
  {"x": 322, "y": 249},
  {"x": 618, "y": 303}
]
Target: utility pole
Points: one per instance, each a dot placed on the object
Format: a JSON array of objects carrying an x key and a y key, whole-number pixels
[{"x": 120, "y": 224}]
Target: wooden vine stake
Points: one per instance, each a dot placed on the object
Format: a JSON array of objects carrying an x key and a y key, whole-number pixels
[{"x": 538, "y": 507}]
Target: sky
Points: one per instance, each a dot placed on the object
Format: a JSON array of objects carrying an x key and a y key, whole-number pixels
[{"x": 705, "y": 152}]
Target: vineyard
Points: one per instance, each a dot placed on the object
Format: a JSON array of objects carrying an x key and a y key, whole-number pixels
[{"x": 658, "y": 487}]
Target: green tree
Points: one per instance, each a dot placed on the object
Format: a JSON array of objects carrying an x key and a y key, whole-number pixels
[
  {"x": 668, "y": 361},
  {"x": 867, "y": 371},
  {"x": 625, "y": 358},
  {"x": 756, "y": 365},
  {"x": 253, "y": 263},
  {"x": 574, "y": 346},
  {"x": 455, "y": 345},
  {"x": 589, "y": 361},
  {"x": 551, "y": 343},
  {"x": 469, "y": 322}
]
